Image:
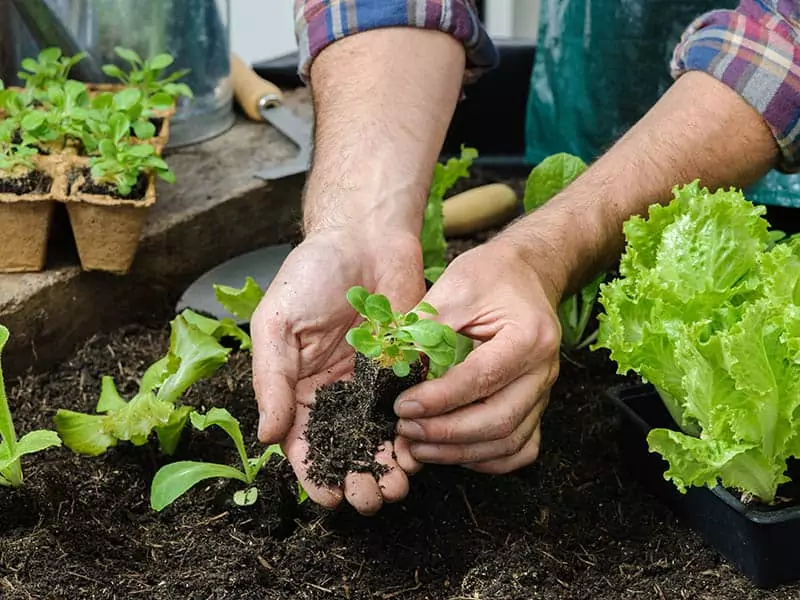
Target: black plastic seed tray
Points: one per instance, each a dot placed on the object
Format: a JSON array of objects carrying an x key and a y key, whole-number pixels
[{"x": 762, "y": 543}]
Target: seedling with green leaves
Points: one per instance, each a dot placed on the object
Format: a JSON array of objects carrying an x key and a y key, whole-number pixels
[
  {"x": 398, "y": 340},
  {"x": 50, "y": 67},
  {"x": 122, "y": 162},
  {"x": 546, "y": 180},
  {"x": 175, "y": 479},
  {"x": 159, "y": 92},
  {"x": 11, "y": 448},
  {"x": 195, "y": 353}
]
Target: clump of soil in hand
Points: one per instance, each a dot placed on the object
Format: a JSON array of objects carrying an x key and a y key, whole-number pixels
[
  {"x": 104, "y": 189},
  {"x": 32, "y": 183},
  {"x": 350, "y": 420}
]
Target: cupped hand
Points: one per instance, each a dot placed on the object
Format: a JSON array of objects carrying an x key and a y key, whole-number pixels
[
  {"x": 298, "y": 334},
  {"x": 485, "y": 413}
]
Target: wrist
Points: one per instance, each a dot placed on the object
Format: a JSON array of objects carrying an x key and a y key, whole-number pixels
[{"x": 363, "y": 206}]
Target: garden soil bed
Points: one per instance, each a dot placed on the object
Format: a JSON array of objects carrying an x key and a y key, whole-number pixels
[{"x": 575, "y": 525}]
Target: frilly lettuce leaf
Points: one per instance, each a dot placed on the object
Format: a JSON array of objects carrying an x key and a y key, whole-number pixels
[
  {"x": 432, "y": 237},
  {"x": 707, "y": 309}
]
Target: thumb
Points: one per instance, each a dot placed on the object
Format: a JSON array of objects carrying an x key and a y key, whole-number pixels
[
  {"x": 275, "y": 369},
  {"x": 487, "y": 369}
]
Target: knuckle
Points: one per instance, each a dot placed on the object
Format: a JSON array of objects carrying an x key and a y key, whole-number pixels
[
  {"x": 505, "y": 427},
  {"x": 548, "y": 338}
]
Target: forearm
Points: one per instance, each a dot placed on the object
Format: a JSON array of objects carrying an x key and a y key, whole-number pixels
[
  {"x": 383, "y": 100},
  {"x": 700, "y": 129}
]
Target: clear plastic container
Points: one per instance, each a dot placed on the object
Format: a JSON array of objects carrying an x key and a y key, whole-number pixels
[{"x": 195, "y": 32}]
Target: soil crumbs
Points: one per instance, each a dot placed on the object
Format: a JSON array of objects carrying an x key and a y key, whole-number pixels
[
  {"x": 574, "y": 525},
  {"x": 350, "y": 420}
]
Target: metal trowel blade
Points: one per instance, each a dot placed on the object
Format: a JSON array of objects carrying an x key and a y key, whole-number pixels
[{"x": 262, "y": 265}]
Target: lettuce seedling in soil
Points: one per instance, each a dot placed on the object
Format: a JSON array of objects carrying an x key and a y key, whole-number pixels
[
  {"x": 195, "y": 353},
  {"x": 394, "y": 351},
  {"x": 175, "y": 479},
  {"x": 432, "y": 240},
  {"x": 11, "y": 448},
  {"x": 546, "y": 180}
]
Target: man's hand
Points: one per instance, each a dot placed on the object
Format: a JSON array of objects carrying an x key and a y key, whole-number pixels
[
  {"x": 485, "y": 412},
  {"x": 299, "y": 344}
]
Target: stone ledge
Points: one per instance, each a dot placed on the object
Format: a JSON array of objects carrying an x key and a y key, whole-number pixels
[{"x": 218, "y": 209}]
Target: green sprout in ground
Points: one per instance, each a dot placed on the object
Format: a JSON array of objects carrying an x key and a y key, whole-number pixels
[
  {"x": 175, "y": 479},
  {"x": 11, "y": 448}
]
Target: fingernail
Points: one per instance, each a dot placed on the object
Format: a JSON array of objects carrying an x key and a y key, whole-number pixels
[
  {"x": 410, "y": 429},
  {"x": 408, "y": 409}
]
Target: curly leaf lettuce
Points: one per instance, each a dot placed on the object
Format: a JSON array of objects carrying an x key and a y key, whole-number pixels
[
  {"x": 707, "y": 309},
  {"x": 195, "y": 353},
  {"x": 432, "y": 237}
]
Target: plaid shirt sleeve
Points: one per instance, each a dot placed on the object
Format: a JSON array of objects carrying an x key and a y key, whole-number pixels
[
  {"x": 755, "y": 50},
  {"x": 319, "y": 23}
]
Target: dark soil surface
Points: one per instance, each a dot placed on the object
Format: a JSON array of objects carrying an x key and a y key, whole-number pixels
[
  {"x": 574, "y": 525},
  {"x": 104, "y": 189},
  {"x": 33, "y": 183},
  {"x": 350, "y": 420}
]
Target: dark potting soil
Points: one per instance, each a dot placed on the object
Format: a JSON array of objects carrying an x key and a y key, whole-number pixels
[
  {"x": 350, "y": 419},
  {"x": 33, "y": 183},
  {"x": 104, "y": 189},
  {"x": 575, "y": 525}
]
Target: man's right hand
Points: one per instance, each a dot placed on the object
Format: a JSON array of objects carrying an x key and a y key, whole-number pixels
[{"x": 299, "y": 344}]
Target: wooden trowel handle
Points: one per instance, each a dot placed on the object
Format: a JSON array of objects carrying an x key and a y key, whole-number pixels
[
  {"x": 251, "y": 91},
  {"x": 478, "y": 209}
]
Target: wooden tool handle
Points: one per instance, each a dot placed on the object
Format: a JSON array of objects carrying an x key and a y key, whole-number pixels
[
  {"x": 479, "y": 208},
  {"x": 249, "y": 89}
]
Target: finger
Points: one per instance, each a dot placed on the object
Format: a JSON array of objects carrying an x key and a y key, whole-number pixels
[
  {"x": 523, "y": 458},
  {"x": 393, "y": 484},
  {"x": 402, "y": 450},
  {"x": 296, "y": 449},
  {"x": 459, "y": 454},
  {"x": 486, "y": 370},
  {"x": 363, "y": 493},
  {"x": 275, "y": 367},
  {"x": 495, "y": 418}
]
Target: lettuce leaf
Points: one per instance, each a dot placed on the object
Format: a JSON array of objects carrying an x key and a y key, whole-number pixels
[
  {"x": 195, "y": 353},
  {"x": 432, "y": 239},
  {"x": 707, "y": 309}
]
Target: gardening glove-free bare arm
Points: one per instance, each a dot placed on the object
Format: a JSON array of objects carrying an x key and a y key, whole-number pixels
[
  {"x": 484, "y": 414},
  {"x": 383, "y": 100}
]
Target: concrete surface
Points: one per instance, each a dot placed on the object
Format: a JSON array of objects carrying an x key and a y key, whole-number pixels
[{"x": 217, "y": 209}]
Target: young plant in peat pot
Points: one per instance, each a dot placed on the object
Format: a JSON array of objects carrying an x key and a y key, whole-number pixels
[
  {"x": 393, "y": 352},
  {"x": 28, "y": 189},
  {"x": 707, "y": 311},
  {"x": 97, "y": 148}
]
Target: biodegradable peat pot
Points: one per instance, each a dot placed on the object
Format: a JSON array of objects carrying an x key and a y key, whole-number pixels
[
  {"x": 26, "y": 213},
  {"x": 26, "y": 223},
  {"x": 760, "y": 541},
  {"x": 107, "y": 228}
]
